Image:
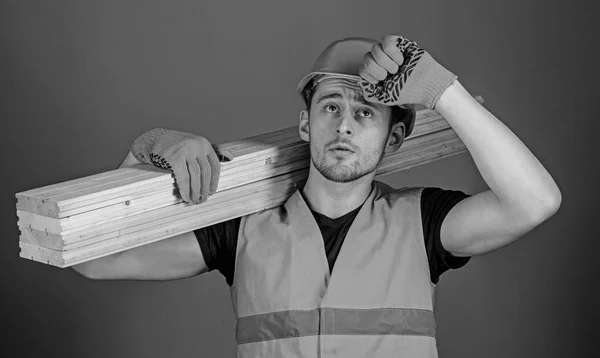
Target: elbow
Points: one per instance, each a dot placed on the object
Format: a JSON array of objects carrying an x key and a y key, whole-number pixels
[
  {"x": 554, "y": 201},
  {"x": 80, "y": 269},
  {"x": 550, "y": 207},
  {"x": 85, "y": 271}
]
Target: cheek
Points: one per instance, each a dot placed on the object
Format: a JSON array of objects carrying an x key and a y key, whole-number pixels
[
  {"x": 318, "y": 124},
  {"x": 318, "y": 131},
  {"x": 375, "y": 142}
]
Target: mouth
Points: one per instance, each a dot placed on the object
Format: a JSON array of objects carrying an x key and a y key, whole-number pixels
[{"x": 341, "y": 148}]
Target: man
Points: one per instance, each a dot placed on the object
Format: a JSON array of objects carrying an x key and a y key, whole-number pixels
[{"x": 347, "y": 266}]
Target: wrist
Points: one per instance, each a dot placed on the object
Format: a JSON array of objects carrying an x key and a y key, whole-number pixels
[
  {"x": 451, "y": 97},
  {"x": 143, "y": 145},
  {"x": 130, "y": 160},
  {"x": 439, "y": 80}
]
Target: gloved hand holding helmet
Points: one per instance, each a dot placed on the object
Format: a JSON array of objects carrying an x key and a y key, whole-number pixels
[
  {"x": 398, "y": 72},
  {"x": 395, "y": 73},
  {"x": 343, "y": 59}
]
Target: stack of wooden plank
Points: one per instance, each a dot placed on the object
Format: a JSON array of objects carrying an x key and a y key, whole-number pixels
[{"x": 91, "y": 217}]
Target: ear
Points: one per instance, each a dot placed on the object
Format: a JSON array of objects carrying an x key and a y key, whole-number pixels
[
  {"x": 395, "y": 138},
  {"x": 304, "y": 127}
]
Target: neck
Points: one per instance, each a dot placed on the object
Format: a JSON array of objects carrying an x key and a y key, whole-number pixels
[{"x": 335, "y": 199}]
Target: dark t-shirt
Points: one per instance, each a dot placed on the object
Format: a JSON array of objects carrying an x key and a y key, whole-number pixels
[{"x": 219, "y": 242}]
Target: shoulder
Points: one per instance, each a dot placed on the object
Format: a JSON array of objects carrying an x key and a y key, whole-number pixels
[
  {"x": 386, "y": 190},
  {"x": 398, "y": 206},
  {"x": 429, "y": 202},
  {"x": 395, "y": 196},
  {"x": 268, "y": 216},
  {"x": 434, "y": 197}
]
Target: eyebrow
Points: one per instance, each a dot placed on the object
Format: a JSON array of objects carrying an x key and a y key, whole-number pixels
[{"x": 337, "y": 95}]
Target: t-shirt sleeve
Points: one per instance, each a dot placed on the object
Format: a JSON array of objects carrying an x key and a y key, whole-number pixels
[
  {"x": 219, "y": 244},
  {"x": 435, "y": 205}
]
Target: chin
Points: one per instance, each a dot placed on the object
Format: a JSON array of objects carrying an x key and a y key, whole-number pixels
[
  {"x": 343, "y": 170},
  {"x": 340, "y": 173}
]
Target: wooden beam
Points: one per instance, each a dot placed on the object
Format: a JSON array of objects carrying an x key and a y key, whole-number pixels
[{"x": 87, "y": 218}]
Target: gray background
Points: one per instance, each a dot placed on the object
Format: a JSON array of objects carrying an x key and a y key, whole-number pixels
[{"x": 79, "y": 80}]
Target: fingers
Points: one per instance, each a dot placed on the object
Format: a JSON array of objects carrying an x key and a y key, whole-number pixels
[
  {"x": 205, "y": 174},
  {"x": 196, "y": 167},
  {"x": 384, "y": 60},
  {"x": 194, "y": 181},
  {"x": 373, "y": 68},
  {"x": 215, "y": 172},
  {"x": 195, "y": 175},
  {"x": 390, "y": 47},
  {"x": 182, "y": 179},
  {"x": 200, "y": 178},
  {"x": 366, "y": 75}
]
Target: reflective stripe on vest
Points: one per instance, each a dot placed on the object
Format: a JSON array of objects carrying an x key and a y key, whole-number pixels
[{"x": 335, "y": 321}]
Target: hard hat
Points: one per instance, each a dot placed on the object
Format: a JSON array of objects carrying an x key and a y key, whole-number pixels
[{"x": 342, "y": 59}]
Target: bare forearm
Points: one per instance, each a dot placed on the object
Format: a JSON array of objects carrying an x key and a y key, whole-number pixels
[
  {"x": 97, "y": 268},
  {"x": 170, "y": 259},
  {"x": 510, "y": 169}
]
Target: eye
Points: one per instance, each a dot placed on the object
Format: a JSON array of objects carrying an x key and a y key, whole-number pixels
[
  {"x": 366, "y": 113},
  {"x": 330, "y": 108}
]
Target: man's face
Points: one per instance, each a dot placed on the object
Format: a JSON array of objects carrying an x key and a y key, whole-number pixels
[{"x": 347, "y": 134}]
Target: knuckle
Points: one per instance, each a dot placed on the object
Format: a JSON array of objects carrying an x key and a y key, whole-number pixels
[
  {"x": 378, "y": 56},
  {"x": 189, "y": 141},
  {"x": 197, "y": 144},
  {"x": 368, "y": 60},
  {"x": 390, "y": 40},
  {"x": 362, "y": 71},
  {"x": 205, "y": 143},
  {"x": 392, "y": 37},
  {"x": 381, "y": 52},
  {"x": 390, "y": 48},
  {"x": 393, "y": 51},
  {"x": 376, "y": 49}
]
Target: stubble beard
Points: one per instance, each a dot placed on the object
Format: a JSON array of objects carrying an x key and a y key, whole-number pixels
[{"x": 345, "y": 173}]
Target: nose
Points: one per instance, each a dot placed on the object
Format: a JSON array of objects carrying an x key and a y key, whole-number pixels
[{"x": 345, "y": 124}]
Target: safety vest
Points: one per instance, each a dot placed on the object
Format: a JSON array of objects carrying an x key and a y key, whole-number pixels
[{"x": 377, "y": 302}]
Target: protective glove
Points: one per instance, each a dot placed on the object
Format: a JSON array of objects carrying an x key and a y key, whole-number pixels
[
  {"x": 191, "y": 158},
  {"x": 398, "y": 72}
]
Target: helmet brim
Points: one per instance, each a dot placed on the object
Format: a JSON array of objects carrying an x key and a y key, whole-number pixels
[{"x": 306, "y": 79}]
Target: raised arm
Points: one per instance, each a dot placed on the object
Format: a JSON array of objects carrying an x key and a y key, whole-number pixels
[{"x": 522, "y": 193}]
